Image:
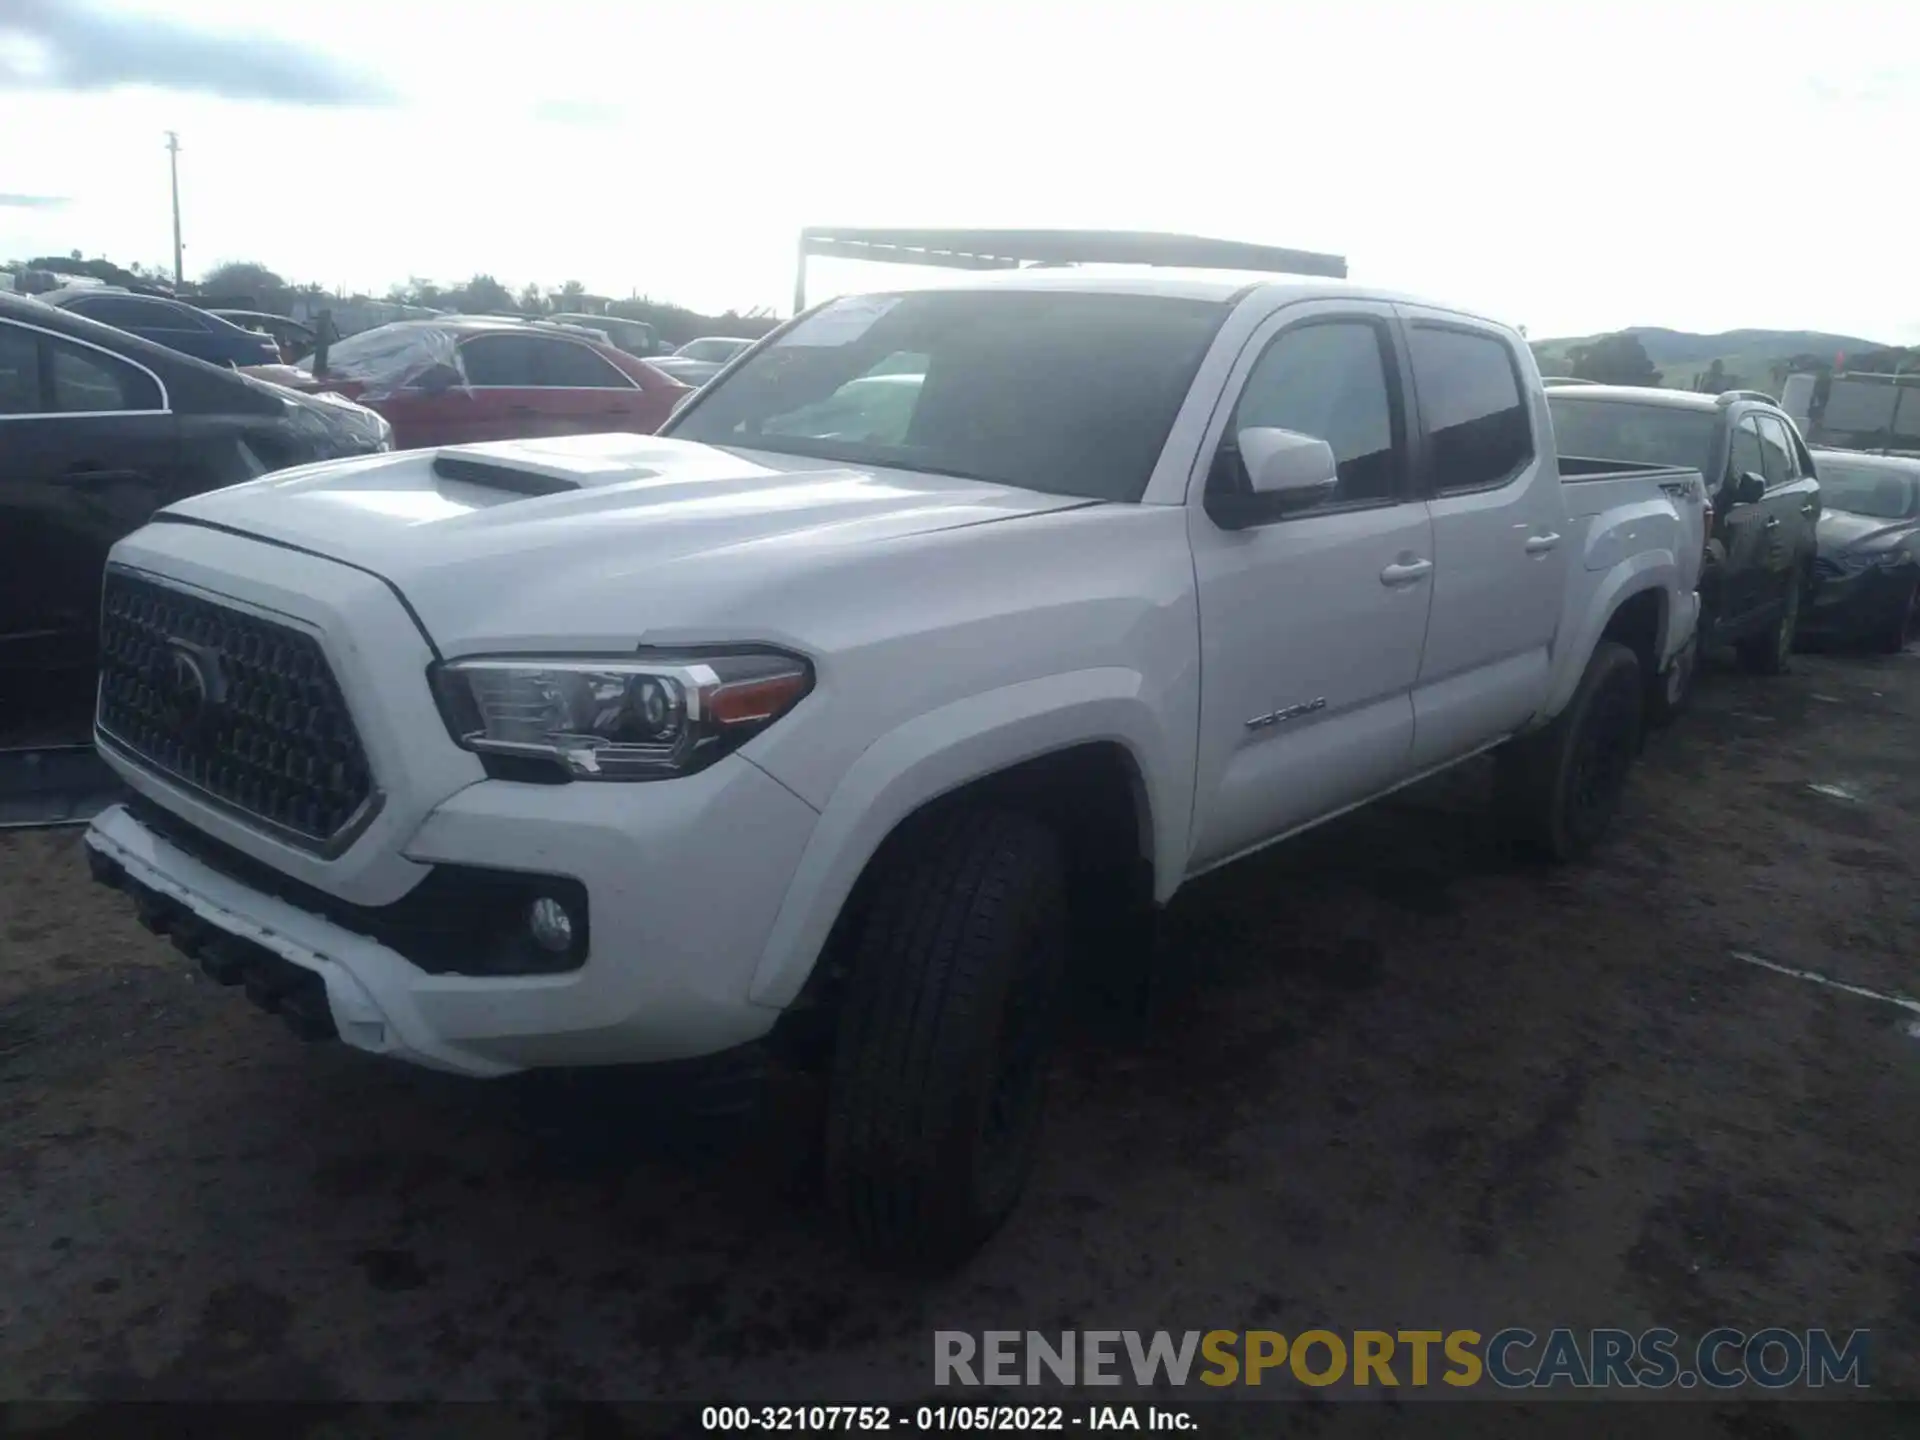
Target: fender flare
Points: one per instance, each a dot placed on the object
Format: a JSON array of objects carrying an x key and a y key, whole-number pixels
[
  {"x": 941, "y": 751},
  {"x": 1654, "y": 570}
]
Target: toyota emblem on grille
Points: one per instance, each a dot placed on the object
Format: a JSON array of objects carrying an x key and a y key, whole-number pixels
[{"x": 189, "y": 681}]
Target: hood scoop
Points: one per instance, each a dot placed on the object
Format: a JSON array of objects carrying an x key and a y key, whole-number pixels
[{"x": 492, "y": 475}]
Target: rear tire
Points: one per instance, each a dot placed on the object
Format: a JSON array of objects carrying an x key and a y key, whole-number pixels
[
  {"x": 939, "y": 1070},
  {"x": 1558, "y": 788},
  {"x": 1771, "y": 653},
  {"x": 1892, "y": 638}
]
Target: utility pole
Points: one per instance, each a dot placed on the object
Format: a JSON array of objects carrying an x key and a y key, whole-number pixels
[{"x": 173, "y": 160}]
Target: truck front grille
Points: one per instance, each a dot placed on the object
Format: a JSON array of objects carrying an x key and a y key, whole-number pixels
[{"x": 242, "y": 709}]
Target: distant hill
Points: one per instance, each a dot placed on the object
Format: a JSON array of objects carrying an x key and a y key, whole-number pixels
[{"x": 1749, "y": 355}]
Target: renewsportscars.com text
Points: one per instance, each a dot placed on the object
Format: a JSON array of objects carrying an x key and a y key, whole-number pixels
[{"x": 1509, "y": 1359}]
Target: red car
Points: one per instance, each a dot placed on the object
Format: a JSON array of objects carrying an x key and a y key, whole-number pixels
[{"x": 455, "y": 380}]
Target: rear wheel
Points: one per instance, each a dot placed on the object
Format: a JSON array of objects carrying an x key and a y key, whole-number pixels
[
  {"x": 1771, "y": 652},
  {"x": 1900, "y": 628},
  {"x": 940, "y": 1067},
  {"x": 1558, "y": 788}
]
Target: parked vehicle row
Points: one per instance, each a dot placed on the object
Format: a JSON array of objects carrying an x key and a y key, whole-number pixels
[
  {"x": 946, "y": 632},
  {"x": 173, "y": 324},
  {"x": 1804, "y": 542},
  {"x": 1867, "y": 574},
  {"x": 291, "y": 339},
  {"x": 459, "y": 380},
  {"x": 698, "y": 361},
  {"x": 100, "y": 428}
]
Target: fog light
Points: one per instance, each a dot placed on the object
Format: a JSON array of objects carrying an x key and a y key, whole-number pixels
[{"x": 550, "y": 925}]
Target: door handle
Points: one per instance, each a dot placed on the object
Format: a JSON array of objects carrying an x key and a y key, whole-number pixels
[
  {"x": 1405, "y": 572},
  {"x": 1773, "y": 522},
  {"x": 1808, "y": 508},
  {"x": 1541, "y": 544}
]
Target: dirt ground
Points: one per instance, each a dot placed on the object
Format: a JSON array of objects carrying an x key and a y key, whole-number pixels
[{"x": 1399, "y": 1080}]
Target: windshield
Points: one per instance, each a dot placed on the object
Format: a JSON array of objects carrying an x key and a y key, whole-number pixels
[
  {"x": 1882, "y": 492},
  {"x": 1642, "y": 434},
  {"x": 1065, "y": 392}
]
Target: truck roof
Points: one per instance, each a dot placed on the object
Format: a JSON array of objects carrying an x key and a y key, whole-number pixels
[
  {"x": 1222, "y": 285},
  {"x": 1643, "y": 394}
]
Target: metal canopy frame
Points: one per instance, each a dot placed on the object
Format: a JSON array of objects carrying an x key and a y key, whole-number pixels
[{"x": 1012, "y": 249}]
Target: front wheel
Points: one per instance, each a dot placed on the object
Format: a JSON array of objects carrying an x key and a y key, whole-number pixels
[
  {"x": 1771, "y": 652},
  {"x": 1558, "y": 788},
  {"x": 940, "y": 1065}
]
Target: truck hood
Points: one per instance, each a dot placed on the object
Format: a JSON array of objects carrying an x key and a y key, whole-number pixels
[{"x": 501, "y": 541}]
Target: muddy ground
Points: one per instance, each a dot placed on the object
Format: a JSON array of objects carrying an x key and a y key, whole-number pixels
[{"x": 1401, "y": 1080}]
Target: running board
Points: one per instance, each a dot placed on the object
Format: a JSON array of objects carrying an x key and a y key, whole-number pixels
[{"x": 47, "y": 786}]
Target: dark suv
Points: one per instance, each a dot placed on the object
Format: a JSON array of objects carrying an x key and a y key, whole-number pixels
[{"x": 1760, "y": 477}]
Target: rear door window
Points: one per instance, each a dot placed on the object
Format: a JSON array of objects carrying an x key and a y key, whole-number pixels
[
  {"x": 88, "y": 381},
  {"x": 1475, "y": 411},
  {"x": 132, "y": 313}
]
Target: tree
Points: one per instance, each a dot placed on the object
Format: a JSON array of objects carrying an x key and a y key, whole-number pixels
[
  {"x": 1618, "y": 359},
  {"x": 481, "y": 295},
  {"x": 531, "y": 299},
  {"x": 1717, "y": 380},
  {"x": 570, "y": 293},
  {"x": 249, "y": 278},
  {"x": 419, "y": 292},
  {"x": 100, "y": 268}
]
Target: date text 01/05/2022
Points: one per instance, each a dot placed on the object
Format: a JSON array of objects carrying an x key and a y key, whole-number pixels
[{"x": 930, "y": 1419}]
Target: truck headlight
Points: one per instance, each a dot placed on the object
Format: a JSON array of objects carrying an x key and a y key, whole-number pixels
[{"x": 624, "y": 718}]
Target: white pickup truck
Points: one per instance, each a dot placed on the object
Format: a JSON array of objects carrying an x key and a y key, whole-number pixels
[{"x": 947, "y": 630}]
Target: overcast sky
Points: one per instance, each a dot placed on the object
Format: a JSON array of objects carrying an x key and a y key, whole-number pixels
[{"x": 1570, "y": 167}]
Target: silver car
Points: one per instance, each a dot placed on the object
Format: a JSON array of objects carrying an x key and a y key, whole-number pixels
[{"x": 698, "y": 361}]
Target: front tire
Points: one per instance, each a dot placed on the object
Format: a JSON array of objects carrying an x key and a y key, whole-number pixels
[
  {"x": 1558, "y": 789},
  {"x": 939, "y": 1070},
  {"x": 1771, "y": 653}
]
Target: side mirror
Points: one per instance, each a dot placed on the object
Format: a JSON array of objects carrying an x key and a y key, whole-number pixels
[
  {"x": 1749, "y": 488},
  {"x": 1289, "y": 469}
]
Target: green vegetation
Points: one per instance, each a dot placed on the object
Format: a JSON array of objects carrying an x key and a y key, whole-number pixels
[
  {"x": 247, "y": 284},
  {"x": 1735, "y": 360}
]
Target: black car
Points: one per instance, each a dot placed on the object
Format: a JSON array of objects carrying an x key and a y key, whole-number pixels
[
  {"x": 1760, "y": 477},
  {"x": 1867, "y": 579},
  {"x": 98, "y": 429},
  {"x": 172, "y": 323},
  {"x": 291, "y": 339}
]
